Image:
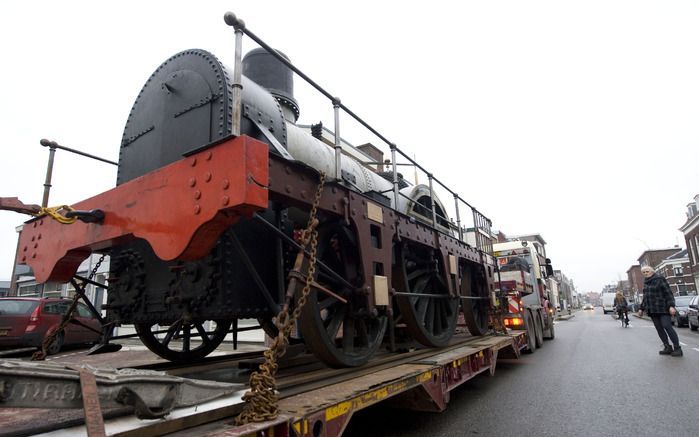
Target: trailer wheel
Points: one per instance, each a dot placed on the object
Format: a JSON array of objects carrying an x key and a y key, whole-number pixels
[{"x": 531, "y": 333}]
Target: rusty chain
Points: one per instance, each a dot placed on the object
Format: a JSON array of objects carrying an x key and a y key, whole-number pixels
[
  {"x": 41, "y": 354},
  {"x": 261, "y": 401}
]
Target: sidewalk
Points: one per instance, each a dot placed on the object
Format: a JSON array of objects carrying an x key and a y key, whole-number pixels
[{"x": 564, "y": 316}]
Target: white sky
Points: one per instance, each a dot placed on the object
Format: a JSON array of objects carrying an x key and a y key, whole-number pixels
[{"x": 573, "y": 119}]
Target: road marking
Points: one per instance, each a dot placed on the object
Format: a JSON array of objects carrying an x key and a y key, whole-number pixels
[
  {"x": 683, "y": 344},
  {"x": 696, "y": 349}
]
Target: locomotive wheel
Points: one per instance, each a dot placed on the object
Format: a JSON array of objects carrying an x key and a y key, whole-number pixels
[
  {"x": 182, "y": 349},
  {"x": 475, "y": 310},
  {"x": 338, "y": 333},
  {"x": 429, "y": 320}
]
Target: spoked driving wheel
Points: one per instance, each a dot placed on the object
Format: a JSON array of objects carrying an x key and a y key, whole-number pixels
[
  {"x": 183, "y": 341},
  {"x": 334, "y": 322},
  {"x": 475, "y": 304},
  {"x": 430, "y": 317}
]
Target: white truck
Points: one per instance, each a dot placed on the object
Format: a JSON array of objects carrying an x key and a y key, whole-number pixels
[
  {"x": 521, "y": 277},
  {"x": 608, "y": 302}
]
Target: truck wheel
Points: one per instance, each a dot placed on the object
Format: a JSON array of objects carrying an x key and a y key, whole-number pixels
[
  {"x": 551, "y": 331},
  {"x": 539, "y": 329},
  {"x": 531, "y": 334}
]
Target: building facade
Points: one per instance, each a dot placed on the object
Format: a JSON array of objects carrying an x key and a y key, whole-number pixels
[
  {"x": 678, "y": 273},
  {"x": 653, "y": 257},
  {"x": 690, "y": 229},
  {"x": 635, "y": 279}
]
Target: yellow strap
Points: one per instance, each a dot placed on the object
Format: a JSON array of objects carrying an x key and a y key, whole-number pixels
[{"x": 54, "y": 213}]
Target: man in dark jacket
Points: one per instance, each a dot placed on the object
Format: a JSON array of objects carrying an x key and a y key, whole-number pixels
[{"x": 659, "y": 303}]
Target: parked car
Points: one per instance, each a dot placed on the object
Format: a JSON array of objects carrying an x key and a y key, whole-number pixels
[
  {"x": 693, "y": 314},
  {"x": 682, "y": 307},
  {"x": 588, "y": 306},
  {"x": 25, "y": 321}
]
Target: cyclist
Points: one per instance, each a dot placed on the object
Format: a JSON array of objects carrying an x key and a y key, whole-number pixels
[{"x": 622, "y": 308}]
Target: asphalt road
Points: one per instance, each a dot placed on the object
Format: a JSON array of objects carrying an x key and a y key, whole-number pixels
[{"x": 595, "y": 379}]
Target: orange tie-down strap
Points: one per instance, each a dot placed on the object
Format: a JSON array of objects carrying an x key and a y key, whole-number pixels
[{"x": 180, "y": 209}]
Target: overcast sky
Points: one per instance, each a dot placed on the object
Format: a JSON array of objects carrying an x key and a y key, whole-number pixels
[{"x": 573, "y": 119}]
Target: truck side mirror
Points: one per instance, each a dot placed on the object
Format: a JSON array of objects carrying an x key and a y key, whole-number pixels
[{"x": 549, "y": 267}]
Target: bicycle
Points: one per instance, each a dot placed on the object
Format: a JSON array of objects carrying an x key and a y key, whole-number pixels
[{"x": 624, "y": 317}]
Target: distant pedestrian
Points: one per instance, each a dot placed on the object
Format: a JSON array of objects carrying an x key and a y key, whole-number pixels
[
  {"x": 659, "y": 303},
  {"x": 622, "y": 307}
]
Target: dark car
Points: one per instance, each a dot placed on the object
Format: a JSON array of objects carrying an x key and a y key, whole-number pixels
[
  {"x": 693, "y": 314},
  {"x": 24, "y": 322},
  {"x": 682, "y": 307}
]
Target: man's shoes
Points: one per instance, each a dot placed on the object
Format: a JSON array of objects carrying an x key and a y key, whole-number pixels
[
  {"x": 677, "y": 352},
  {"x": 667, "y": 350}
]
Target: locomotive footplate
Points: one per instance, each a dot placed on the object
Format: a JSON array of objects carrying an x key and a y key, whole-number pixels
[{"x": 180, "y": 209}]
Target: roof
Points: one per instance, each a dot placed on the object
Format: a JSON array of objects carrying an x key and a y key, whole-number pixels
[{"x": 678, "y": 255}]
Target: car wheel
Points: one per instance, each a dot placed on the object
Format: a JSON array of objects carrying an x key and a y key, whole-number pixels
[
  {"x": 693, "y": 327},
  {"x": 56, "y": 346}
]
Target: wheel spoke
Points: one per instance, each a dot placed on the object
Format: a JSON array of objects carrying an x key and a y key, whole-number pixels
[
  {"x": 348, "y": 335},
  {"x": 418, "y": 272},
  {"x": 429, "y": 318},
  {"x": 186, "y": 337},
  {"x": 362, "y": 333},
  {"x": 171, "y": 331},
  {"x": 327, "y": 303},
  {"x": 334, "y": 326},
  {"x": 421, "y": 308},
  {"x": 202, "y": 332}
]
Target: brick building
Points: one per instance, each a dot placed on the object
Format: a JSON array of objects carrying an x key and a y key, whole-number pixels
[
  {"x": 691, "y": 236},
  {"x": 635, "y": 278},
  {"x": 678, "y": 273},
  {"x": 653, "y": 257}
]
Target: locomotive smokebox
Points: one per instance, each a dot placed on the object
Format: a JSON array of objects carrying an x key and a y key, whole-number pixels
[{"x": 268, "y": 72}]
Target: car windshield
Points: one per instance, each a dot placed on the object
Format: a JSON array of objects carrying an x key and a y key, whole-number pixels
[
  {"x": 683, "y": 301},
  {"x": 17, "y": 306}
]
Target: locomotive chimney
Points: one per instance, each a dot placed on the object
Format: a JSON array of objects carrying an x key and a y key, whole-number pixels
[{"x": 268, "y": 72}]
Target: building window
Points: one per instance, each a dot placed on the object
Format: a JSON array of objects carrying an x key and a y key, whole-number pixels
[{"x": 678, "y": 271}]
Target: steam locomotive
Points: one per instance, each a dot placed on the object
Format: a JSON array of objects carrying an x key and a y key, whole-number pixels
[{"x": 388, "y": 258}]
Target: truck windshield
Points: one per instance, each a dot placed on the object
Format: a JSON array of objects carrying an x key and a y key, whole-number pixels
[{"x": 515, "y": 263}]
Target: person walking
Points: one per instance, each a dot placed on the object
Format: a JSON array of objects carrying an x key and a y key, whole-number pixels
[
  {"x": 622, "y": 307},
  {"x": 659, "y": 303}
]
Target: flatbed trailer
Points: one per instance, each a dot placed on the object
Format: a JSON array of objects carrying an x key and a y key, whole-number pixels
[{"x": 321, "y": 402}]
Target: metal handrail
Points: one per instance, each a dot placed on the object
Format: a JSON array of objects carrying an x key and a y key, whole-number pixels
[{"x": 480, "y": 220}]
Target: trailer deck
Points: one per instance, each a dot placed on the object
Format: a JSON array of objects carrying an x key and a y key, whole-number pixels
[{"x": 313, "y": 401}]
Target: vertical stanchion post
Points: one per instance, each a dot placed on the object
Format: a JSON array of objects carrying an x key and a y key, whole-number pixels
[
  {"x": 338, "y": 145},
  {"x": 396, "y": 188},
  {"x": 239, "y": 26},
  {"x": 432, "y": 203},
  {"x": 458, "y": 216},
  {"x": 49, "y": 172}
]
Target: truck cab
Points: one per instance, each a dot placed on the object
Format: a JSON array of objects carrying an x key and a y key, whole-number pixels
[{"x": 521, "y": 279}]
